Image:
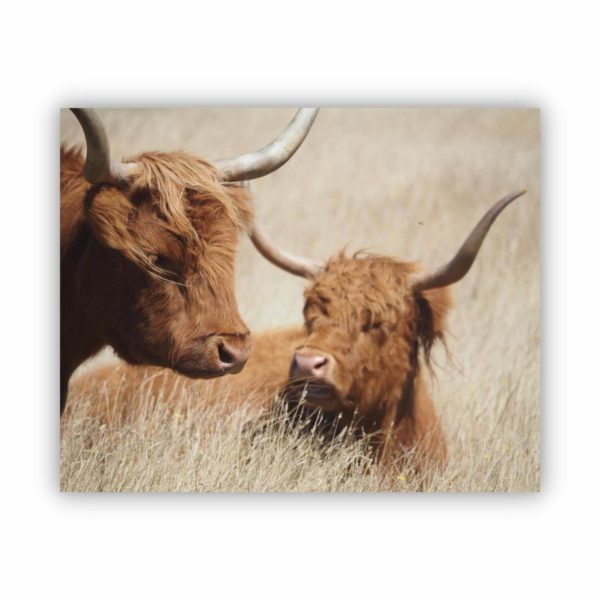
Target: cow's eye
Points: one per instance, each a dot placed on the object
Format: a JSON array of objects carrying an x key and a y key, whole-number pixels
[
  {"x": 161, "y": 262},
  {"x": 156, "y": 259}
]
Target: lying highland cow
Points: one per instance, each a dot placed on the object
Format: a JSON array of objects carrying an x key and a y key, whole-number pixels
[{"x": 370, "y": 323}]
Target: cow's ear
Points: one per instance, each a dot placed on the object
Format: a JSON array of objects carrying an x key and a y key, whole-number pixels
[
  {"x": 433, "y": 306},
  {"x": 109, "y": 213}
]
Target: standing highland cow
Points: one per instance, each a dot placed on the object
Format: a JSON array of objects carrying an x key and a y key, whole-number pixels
[{"x": 148, "y": 249}]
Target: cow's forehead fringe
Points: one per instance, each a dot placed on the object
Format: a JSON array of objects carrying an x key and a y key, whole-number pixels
[
  {"x": 364, "y": 268},
  {"x": 178, "y": 182},
  {"x": 360, "y": 280},
  {"x": 171, "y": 176}
]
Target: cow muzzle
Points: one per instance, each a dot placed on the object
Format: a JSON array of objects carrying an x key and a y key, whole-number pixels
[
  {"x": 311, "y": 364},
  {"x": 215, "y": 356},
  {"x": 312, "y": 379},
  {"x": 232, "y": 353}
]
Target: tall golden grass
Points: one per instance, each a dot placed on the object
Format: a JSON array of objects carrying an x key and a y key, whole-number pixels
[{"x": 404, "y": 182}]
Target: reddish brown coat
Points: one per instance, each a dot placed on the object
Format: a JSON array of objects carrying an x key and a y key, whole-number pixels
[{"x": 147, "y": 266}]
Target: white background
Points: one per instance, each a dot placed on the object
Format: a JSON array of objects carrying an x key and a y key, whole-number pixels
[{"x": 265, "y": 53}]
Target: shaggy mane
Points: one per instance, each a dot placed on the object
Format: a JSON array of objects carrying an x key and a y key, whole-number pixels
[
  {"x": 172, "y": 175},
  {"x": 431, "y": 306},
  {"x": 177, "y": 182}
]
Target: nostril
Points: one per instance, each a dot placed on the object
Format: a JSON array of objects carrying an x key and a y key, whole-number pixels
[
  {"x": 225, "y": 356},
  {"x": 320, "y": 362},
  {"x": 309, "y": 365}
]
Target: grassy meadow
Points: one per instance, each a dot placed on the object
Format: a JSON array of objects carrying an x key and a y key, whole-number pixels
[{"x": 404, "y": 182}]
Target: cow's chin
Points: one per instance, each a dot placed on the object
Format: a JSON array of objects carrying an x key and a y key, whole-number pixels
[
  {"x": 193, "y": 373},
  {"x": 197, "y": 367},
  {"x": 317, "y": 394}
]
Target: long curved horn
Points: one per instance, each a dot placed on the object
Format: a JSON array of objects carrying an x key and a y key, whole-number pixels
[
  {"x": 459, "y": 266},
  {"x": 296, "y": 265},
  {"x": 97, "y": 163},
  {"x": 274, "y": 155},
  {"x": 98, "y": 168}
]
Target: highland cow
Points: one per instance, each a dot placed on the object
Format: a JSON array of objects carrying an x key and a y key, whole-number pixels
[
  {"x": 370, "y": 323},
  {"x": 147, "y": 253}
]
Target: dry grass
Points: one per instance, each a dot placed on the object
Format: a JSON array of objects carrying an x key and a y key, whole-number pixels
[{"x": 405, "y": 182}]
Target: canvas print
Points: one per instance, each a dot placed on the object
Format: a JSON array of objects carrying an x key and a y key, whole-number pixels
[{"x": 300, "y": 300}]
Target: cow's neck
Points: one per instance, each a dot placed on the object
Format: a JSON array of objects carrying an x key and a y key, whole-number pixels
[
  {"x": 78, "y": 341},
  {"x": 395, "y": 407}
]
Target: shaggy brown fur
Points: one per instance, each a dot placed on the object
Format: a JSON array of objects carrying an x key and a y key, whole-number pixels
[
  {"x": 362, "y": 313},
  {"x": 148, "y": 266}
]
